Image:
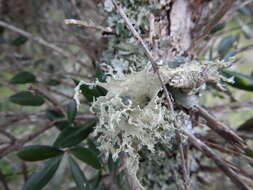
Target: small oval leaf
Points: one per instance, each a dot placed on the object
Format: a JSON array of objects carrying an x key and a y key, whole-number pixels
[
  {"x": 226, "y": 44},
  {"x": 23, "y": 77},
  {"x": 87, "y": 156},
  {"x": 53, "y": 82},
  {"x": 78, "y": 175},
  {"x": 38, "y": 152},
  {"x": 72, "y": 136},
  {"x": 26, "y": 98},
  {"x": 247, "y": 126},
  {"x": 39, "y": 179},
  {"x": 91, "y": 93},
  {"x": 217, "y": 28},
  {"x": 249, "y": 152},
  {"x": 99, "y": 73},
  {"x": 241, "y": 81},
  {"x": 71, "y": 110},
  {"x": 20, "y": 40}
]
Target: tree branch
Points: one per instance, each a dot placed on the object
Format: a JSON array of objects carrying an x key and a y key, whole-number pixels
[
  {"x": 218, "y": 161},
  {"x": 35, "y": 38}
]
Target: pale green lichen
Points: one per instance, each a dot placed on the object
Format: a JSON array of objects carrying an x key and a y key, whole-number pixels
[{"x": 133, "y": 116}]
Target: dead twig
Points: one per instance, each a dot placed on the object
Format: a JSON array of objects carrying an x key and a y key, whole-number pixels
[
  {"x": 231, "y": 106},
  {"x": 10, "y": 136},
  {"x": 89, "y": 24},
  {"x": 35, "y": 38},
  {"x": 219, "y": 161},
  {"x": 2, "y": 179},
  {"x": 221, "y": 129},
  {"x": 245, "y": 48},
  {"x": 20, "y": 142},
  {"x": 43, "y": 91}
]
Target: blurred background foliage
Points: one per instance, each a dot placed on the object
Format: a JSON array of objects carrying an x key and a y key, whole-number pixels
[{"x": 42, "y": 59}]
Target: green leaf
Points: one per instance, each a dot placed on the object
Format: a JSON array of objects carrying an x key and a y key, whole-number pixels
[
  {"x": 87, "y": 156},
  {"x": 99, "y": 74},
  {"x": 26, "y": 98},
  {"x": 39, "y": 179},
  {"x": 78, "y": 175},
  {"x": 217, "y": 28},
  {"x": 71, "y": 110},
  {"x": 23, "y": 77},
  {"x": 229, "y": 54},
  {"x": 63, "y": 124},
  {"x": 20, "y": 40},
  {"x": 241, "y": 81},
  {"x": 53, "y": 114},
  {"x": 72, "y": 136},
  {"x": 226, "y": 44},
  {"x": 249, "y": 152},
  {"x": 90, "y": 92},
  {"x": 247, "y": 126},
  {"x": 95, "y": 182},
  {"x": 246, "y": 29},
  {"x": 53, "y": 82},
  {"x": 38, "y": 152}
]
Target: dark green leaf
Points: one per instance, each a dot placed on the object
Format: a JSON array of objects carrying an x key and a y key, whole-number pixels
[
  {"x": 244, "y": 82},
  {"x": 249, "y": 152},
  {"x": 38, "y": 152},
  {"x": 246, "y": 29},
  {"x": 26, "y": 98},
  {"x": 20, "y": 40},
  {"x": 99, "y": 74},
  {"x": 71, "y": 110},
  {"x": 23, "y": 77},
  {"x": 226, "y": 44},
  {"x": 78, "y": 175},
  {"x": 246, "y": 10},
  {"x": 71, "y": 136},
  {"x": 63, "y": 124},
  {"x": 87, "y": 156},
  {"x": 92, "y": 146},
  {"x": 95, "y": 182},
  {"x": 217, "y": 28},
  {"x": 91, "y": 93},
  {"x": 247, "y": 126},
  {"x": 53, "y": 82},
  {"x": 1, "y": 30},
  {"x": 229, "y": 54},
  {"x": 53, "y": 114},
  {"x": 39, "y": 179}
]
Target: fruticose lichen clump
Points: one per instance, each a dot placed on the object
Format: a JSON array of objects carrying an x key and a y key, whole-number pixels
[{"x": 133, "y": 116}]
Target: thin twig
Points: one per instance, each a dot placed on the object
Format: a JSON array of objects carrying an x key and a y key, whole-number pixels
[
  {"x": 2, "y": 179},
  {"x": 43, "y": 91},
  {"x": 229, "y": 151},
  {"x": 184, "y": 163},
  {"x": 212, "y": 23},
  {"x": 245, "y": 48},
  {"x": 221, "y": 129},
  {"x": 89, "y": 24},
  {"x": 35, "y": 38},
  {"x": 19, "y": 143},
  {"x": 232, "y": 106},
  {"x": 218, "y": 161},
  {"x": 10, "y": 136}
]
